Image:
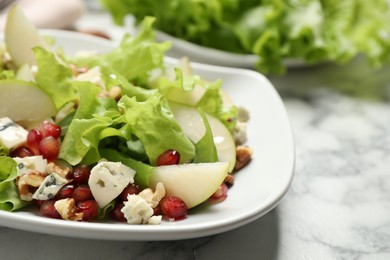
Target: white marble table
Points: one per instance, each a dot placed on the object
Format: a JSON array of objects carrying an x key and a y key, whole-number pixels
[{"x": 338, "y": 206}]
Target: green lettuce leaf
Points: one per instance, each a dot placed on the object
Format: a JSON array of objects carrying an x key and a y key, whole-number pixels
[
  {"x": 313, "y": 31},
  {"x": 135, "y": 57},
  {"x": 54, "y": 77},
  {"x": 92, "y": 123},
  {"x": 9, "y": 196},
  {"x": 153, "y": 123},
  {"x": 205, "y": 147}
]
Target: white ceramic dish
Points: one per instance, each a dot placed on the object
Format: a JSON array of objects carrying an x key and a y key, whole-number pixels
[
  {"x": 202, "y": 54},
  {"x": 258, "y": 188}
]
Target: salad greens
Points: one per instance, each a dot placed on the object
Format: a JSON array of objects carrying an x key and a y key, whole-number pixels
[
  {"x": 135, "y": 127},
  {"x": 9, "y": 196},
  {"x": 274, "y": 30}
]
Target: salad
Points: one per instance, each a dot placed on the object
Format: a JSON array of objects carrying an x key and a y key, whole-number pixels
[
  {"x": 313, "y": 31},
  {"x": 118, "y": 135}
]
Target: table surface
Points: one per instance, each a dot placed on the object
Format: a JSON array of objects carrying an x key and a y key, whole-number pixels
[{"x": 338, "y": 205}]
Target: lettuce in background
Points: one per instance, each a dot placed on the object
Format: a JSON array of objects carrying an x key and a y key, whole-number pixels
[{"x": 310, "y": 30}]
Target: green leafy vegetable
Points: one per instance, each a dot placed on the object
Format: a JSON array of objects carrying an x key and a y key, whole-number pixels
[
  {"x": 310, "y": 30},
  {"x": 56, "y": 83},
  {"x": 153, "y": 123},
  {"x": 205, "y": 147},
  {"x": 9, "y": 196},
  {"x": 135, "y": 57}
]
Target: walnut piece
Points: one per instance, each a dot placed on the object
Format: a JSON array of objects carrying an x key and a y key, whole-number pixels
[
  {"x": 229, "y": 179},
  {"x": 30, "y": 179},
  {"x": 243, "y": 156},
  {"x": 67, "y": 209},
  {"x": 153, "y": 198},
  {"x": 52, "y": 167}
]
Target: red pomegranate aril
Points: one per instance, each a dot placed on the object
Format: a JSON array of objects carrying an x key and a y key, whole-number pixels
[
  {"x": 89, "y": 208},
  {"x": 130, "y": 189},
  {"x": 34, "y": 137},
  {"x": 47, "y": 209},
  {"x": 220, "y": 194},
  {"x": 21, "y": 152},
  {"x": 39, "y": 202},
  {"x": 49, "y": 148},
  {"x": 173, "y": 207},
  {"x": 169, "y": 157},
  {"x": 82, "y": 192},
  {"x": 49, "y": 128},
  {"x": 117, "y": 214},
  {"x": 80, "y": 174},
  {"x": 157, "y": 210},
  {"x": 66, "y": 192}
]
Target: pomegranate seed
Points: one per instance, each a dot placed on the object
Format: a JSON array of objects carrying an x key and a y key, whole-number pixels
[
  {"x": 49, "y": 128},
  {"x": 49, "y": 147},
  {"x": 117, "y": 214},
  {"x": 157, "y": 210},
  {"x": 130, "y": 189},
  {"x": 39, "y": 202},
  {"x": 220, "y": 194},
  {"x": 82, "y": 192},
  {"x": 174, "y": 207},
  {"x": 169, "y": 157},
  {"x": 21, "y": 152},
  {"x": 34, "y": 137},
  {"x": 66, "y": 192},
  {"x": 89, "y": 208},
  {"x": 80, "y": 174},
  {"x": 47, "y": 209}
]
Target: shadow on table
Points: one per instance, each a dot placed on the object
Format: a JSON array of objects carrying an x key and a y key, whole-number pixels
[
  {"x": 256, "y": 240},
  {"x": 357, "y": 79}
]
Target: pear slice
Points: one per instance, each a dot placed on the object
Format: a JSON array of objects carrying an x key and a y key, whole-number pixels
[
  {"x": 25, "y": 73},
  {"x": 194, "y": 183},
  {"x": 20, "y": 37},
  {"x": 192, "y": 124},
  {"x": 188, "y": 98},
  {"x": 24, "y": 103}
]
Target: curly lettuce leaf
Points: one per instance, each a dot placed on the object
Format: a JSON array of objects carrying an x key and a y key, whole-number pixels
[
  {"x": 135, "y": 57},
  {"x": 153, "y": 123},
  {"x": 9, "y": 196},
  {"x": 54, "y": 77},
  {"x": 91, "y": 123},
  {"x": 205, "y": 147},
  {"x": 275, "y": 30}
]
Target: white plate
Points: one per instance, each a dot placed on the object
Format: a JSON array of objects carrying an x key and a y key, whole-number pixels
[
  {"x": 212, "y": 56},
  {"x": 258, "y": 188}
]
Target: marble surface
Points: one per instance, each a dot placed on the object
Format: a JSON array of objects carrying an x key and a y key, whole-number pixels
[{"x": 338, "y": 206}]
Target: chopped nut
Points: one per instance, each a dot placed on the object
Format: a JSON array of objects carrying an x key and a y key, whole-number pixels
[
  {"x": 77, "y": 70},
  {"x": 243, "y": 156},
  {"x": 67, "y": 209},
  {"x": 229, "y": 179},
  {"x": 52, "y": 167},
  {"x": 93, "y": 75},
  {"x": 115, "y": 92},
  {"x": 153, "y": 198},
  {"x": 30, "y": 179}
]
